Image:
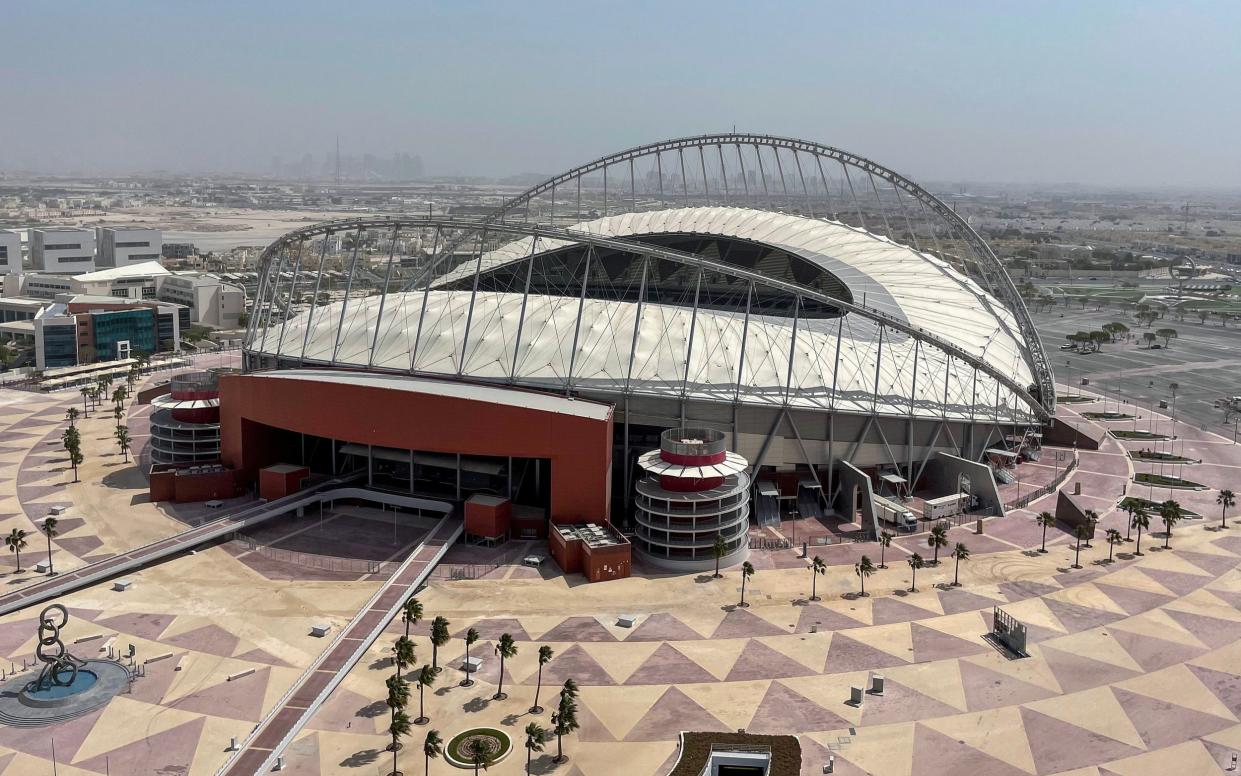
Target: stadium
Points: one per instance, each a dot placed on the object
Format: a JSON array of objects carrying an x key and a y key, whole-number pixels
[{"x": 838, "y": 329}]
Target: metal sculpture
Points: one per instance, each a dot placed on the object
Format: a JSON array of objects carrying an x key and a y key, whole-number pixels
[{"x": 60, "y": 667}]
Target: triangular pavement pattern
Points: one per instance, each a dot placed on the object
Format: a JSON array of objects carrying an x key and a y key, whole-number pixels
[
  {"x": 1077, "y": 672},
  {"x": 347, "y": 710},
  {"x": 783, "y": 711},
  {"x": 931, "y": 644},
  {"x": 667, "y": 665},
  {"x": 69, "y": 738},
  {"x": 1058, "y": 746},
  {"x": 1178, "y": 582},
  {"x": 302, "y": 756},
  {"x": 1161, "y": 724},
  {"x": 258, "y": 655},
  {"x": 1226, "y": 687},
  {"x": 578, "y": 629},
  {"x": 740, "y": 624},
  {"x": 144, "y": 626},
  {"x": 577, "y": 664},
  {"x": 171, "y": 751},
  {"x": 1077, "y": 618},
  {"x": 935, "y": 754},
  {"x": 814, "y": 757},
  {"x": 1132, "y": 600},
  {"x": 900, "y": 703},
  {"x": 211, "y": 639},
  {"x": 824, "y": 619},
  {"x": 1154, "y": 653},
  {"x": 1019, "y": 591},
  {"x": 239, "y": 699},
  {"x": 673, "y": 712},
  {"x": 957, "y": 600},
  {"x": 759, "y": 661},
  {"x": 987, "y": 689},
  {"x": 1211, "y": 631},
  {"x": 492, "y": 628},
  {"x": 847, "y": 654},
  {"x": 887, "y": 610},
  {"x": 590, "y": 728},
  {"x": 663, "y": 627},
  {"x": 1215, "y": 565}
]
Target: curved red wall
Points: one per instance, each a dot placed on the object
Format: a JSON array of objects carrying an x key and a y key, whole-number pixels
[{"x": 580, "y": 449}]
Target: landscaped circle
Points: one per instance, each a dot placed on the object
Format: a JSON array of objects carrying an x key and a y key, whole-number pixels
[{"x": 496, "y": 742}]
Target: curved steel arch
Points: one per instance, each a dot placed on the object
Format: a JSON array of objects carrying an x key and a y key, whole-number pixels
[
  {"x": 988, "y": 265},
  {"x": 300, "y": 236}
]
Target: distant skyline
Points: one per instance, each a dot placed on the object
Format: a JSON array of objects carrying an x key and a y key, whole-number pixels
[{"x": 1105, "y": 93}]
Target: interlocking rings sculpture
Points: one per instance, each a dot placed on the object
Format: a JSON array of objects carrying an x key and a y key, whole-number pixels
[{"x": 60, "y": 668}]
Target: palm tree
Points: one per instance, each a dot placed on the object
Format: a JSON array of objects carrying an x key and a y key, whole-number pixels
[
  {"x": 118, "y": 396},
  {"x": 1225, "y": 499},
  {"x": 72, "y": 414},
  {"x": 479, "y": 754},
  {"x": 123, "y": 440},
  {"x": 439, "y": 637},
  {"x": 1141, "y": 521},
  {"x": 471, "y": 636},
  {"x": 411, "y": 613},
  {"x": 885, "y": 541},
  {"x": 536, "y": 737},
  {"x": 432, "y": 747},
  {"x": 399, "y": 726},
  {"x": 1129, "y": 506},
  {"x": 564, "y": 721},
  {"x": 1081, "y": 531},
  {"x": 545, "y": 657},
  {"x": 506, "y": 649},
  {"x": 85, "y": 396},
  {"x": 719, "y": 549},
  {"x": 1170, "y": 513},
  {"x": 1046, "y": 520},
  {"x": 959, "y": 553},
  {"x": 49, "y": 530},
  {"x": 398, "y": 693},
  {"x": 1113, "y": 539},
  {"x": 403, "y": 654},
  {"x": 16, "y": 542},
  {"x": 863, "y": 568},
  {"x": 936, "y": 539},
  {"x": 817, "y": 567},
  {"x": 425, "y": 678},
  {"x": 747, "y": 571},
  {"x": 117, "y": 412},
  {"x": 915, "y": 563},
  {"x": 1092, "y": 519}
]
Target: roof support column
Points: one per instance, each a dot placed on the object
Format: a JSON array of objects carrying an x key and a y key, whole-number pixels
[
  {"x": 383, "y": 297},
  {"x": 314, "y": 303},
  {"x": 344, "y": 305},
  {"x": 469, "y": 315},
  {"x": 288, "y": 308},
  {"x": 577, "y": 328}
]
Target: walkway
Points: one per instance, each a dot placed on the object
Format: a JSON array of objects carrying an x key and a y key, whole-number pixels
[{"x": 259, "y": 752}]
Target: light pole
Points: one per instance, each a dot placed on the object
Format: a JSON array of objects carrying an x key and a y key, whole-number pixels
[{"x": 1172, "y": 447}]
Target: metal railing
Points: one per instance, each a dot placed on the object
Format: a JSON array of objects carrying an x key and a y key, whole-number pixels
[
  {"x": 315, "y": 561},
  {"x": 457, "y": 571},
  {"x": 1050, "y": 487}
]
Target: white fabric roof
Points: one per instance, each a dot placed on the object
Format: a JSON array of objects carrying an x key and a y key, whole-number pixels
[{"x": 142, "y": 269}]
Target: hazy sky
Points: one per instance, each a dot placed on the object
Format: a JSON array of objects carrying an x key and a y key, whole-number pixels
[{"x": 1100, "y": 92}]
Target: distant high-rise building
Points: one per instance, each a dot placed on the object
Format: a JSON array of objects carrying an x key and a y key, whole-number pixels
[
  {"x": 120, "y": 246},
  {"x": 64, "y": 250}
]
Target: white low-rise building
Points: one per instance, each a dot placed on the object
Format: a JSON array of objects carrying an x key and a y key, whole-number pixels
[
  {"x": 124, "y": 246},
  {"x": 64, "y": 250},
  {"x": 10, "y": 252}
]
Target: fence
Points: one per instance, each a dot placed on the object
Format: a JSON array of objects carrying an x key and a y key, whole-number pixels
[
  {"x": 1034, "y": 495},
  {"x": 766, "y": 543},
  {"x": 315, "y": 561},
  {"x": 456, "y": 571}
]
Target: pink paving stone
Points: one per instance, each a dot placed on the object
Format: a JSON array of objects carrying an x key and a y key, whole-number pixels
[
  {"x": 663, "y": 627},
  {"x": 1221, "y": 754},
  {"x": 783, "y": 711},
  {"x": 578, "y": 629},
  {"x": 591, "y": 729},
  {"x": 673, "y": 712},
  {"x": 814, "y": 756},
  {"x": 1058, "y": 746},
  {"x": 846, "y": 654},
  {"x": 69, "y": 737},
  {"x": 930, "y": 644},
  {"x": 1020, "y": 591},
  {"x": 169, "y": 752},
  {"x": 1154, "y": 653},
  {"x": 900, "y": 703},
  {"x": 152, "y": 687},
  {"x": 577, "y": 664},
  {"x": 238, "y": 699},
  {"x": 739, "y": 624},
  {"x": 13, "y": 635},
  {"x": 1077, "y": 618},
  {"x": 1177, "y": 582},
  {"x": 1132, "y": 600},
  {"x": 80, "y": 546},
  {"x": 887, "y": 610},
  {"x": 1078, "y": 672},
  {"x": 1161, "y": 724},
  {"x": 263, "y": 656},
  {"x": 1211, "y": 631},
  {"x": 210, "y": 638},
  {"x": 935, "y": 754},
  {"x": 759, "y": 661},
  {"x": 824, "y": 619},
  {"x": 341, "y": 712},
  {"x": 302, "y": 756},
  {"x": 987, "y": 689},
  {"x": 1215, "y": 565},
  {"x": 956, "y": 600},
  {"x": 1230, "y": 543},
  {"x": 666, "y": 665},
  {"x": 144, "y": 626},
  {"x": 493, "y": 628}
]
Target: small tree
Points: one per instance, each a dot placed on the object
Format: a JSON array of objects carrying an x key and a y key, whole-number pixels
[
  {"x": 1092, "y": 519},
  {"x": 915, "y": 562},
  {"x": 398, "y": 692},
  {"x": 403, "y": 654},
  {"x": 72, "y": 414},
  {"x": 1149, "y": 338},
  {"x": 1080, "y": 531},
  {"x": 16, "y": 542},
  {"x": 1046, "y": 520},
  {"x": 817, "y": 567},
  {"x": 1170, "y": 513},
  {"x": 426, "y": 678},
  {"x": 564, "y": 722},
  {"x": 959, "y": 553},
  {"x": 1141, "y": 521},
  {"x": 545, "y": 657},
  {"x": 123, "y": 441},
  {"x": 1167, "y": 335},
  {"x": 439, "y": 637},
  {"x": 432, "y": 748},
  {"x": 1225, "y": 499},
  {"x": 718, "y": 550},
  {"x": 85, "y": 399},
  {"x": 49, "y": 530},
  {"x": 411, "y": 613},
  {"x": 747, "y": 571},
  {"x": 506, "y": 649},
  {"x": 1113, "y": 539},
  {"x": 119, "y": 396},
  {"x": 863, "y": 568},
  {"x": 936, "y": 539},
  {"x": 536, "y": 737},
  {"x": 885, "y": 541},
  {"x": 1128, "y": 506},
  {"x": 397, "y": 728},
  {"x": 471, "y": 637},
  {"x": 72, "y": 441}
]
